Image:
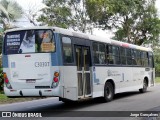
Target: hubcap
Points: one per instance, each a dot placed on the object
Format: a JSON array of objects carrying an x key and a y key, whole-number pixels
[
  {"x": 108, "y": 92},
  {"x": 145, "y": 85}
]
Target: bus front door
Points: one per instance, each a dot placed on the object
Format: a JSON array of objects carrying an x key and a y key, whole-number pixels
[{"x": 83, "y": 63}]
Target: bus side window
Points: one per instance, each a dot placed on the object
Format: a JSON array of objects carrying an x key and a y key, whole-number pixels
[
  {"x": 123, "y": 56},
  {"x": 139, "y": 58},
  {"x": 151, "y": 61},
  {"x": 102, "y": 56},
  {"x": 144, "y": 58},
  {"x": 129, "y": 56},
  {"x": 110, "y": 52},
  {"x": 95, "y": 53},
  {"x": 134, "y": 57},
  {"x": 113, "y": 56},
  {"x": 99, "y": 53},
  {"x": 67, "y": 50}
]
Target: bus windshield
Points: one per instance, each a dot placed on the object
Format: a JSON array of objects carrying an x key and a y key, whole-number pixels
[{"x": 29, "y": 41}]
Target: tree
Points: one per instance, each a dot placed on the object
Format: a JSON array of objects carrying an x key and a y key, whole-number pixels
[
  {"x": 66, "y": 14},
  {"x": 31, "y": 14},
  {"x": 157, "y": 60},
  {"x": 136, "y": 21},
  {"x": 80, "y": 20},
  {"x": 9, "y": 11},
  {"x": 56, "y": 13}
]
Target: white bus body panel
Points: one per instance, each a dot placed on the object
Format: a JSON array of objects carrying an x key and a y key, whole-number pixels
[
  {"x": 69, "y": 82},
  {"x": 22, "y": 68},
  {"x": 125, "y": 79}
]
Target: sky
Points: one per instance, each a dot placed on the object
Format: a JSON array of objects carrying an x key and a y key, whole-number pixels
[{"x": 29, "y": 4}]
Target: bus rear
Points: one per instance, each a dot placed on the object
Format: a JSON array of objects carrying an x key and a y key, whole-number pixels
[{"x": 27, "y": 63}]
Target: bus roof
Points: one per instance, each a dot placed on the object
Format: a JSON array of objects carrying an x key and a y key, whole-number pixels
[{"x": 85, "y": 36}]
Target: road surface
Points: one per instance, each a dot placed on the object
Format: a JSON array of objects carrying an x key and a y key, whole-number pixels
[{"x": 131, "y": 101}]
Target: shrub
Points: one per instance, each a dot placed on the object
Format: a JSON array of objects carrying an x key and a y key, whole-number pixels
[{"x": 1, "y": 80}]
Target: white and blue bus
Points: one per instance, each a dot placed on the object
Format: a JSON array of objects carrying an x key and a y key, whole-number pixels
[{"x": 51, "y": 61}]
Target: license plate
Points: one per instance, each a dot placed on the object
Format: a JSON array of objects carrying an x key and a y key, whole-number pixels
[{"x": 30, "y": 81}]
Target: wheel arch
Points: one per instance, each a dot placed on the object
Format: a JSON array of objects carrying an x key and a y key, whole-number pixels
[{"x": 147, "y": 80}]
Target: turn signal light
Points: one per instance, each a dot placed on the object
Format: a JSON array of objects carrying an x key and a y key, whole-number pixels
[
  {"x": 56, "y": 74},
  {"x": 4, "y": 75}
]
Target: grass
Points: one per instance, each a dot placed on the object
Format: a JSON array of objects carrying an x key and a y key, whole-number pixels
[
  {"x": 157, "y": 80},
  {"x": 4, "y": 99}
]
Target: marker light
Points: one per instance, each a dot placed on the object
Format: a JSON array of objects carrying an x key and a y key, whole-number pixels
[{"x": 56, "y": 74}]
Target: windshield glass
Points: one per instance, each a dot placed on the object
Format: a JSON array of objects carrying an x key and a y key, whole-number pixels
[{"x": 29, "y": 41}]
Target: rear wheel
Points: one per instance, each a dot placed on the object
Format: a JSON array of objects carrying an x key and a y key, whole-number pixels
[
  {"x": 145, "y": 85},
  {"x": 108, "y": 92}
]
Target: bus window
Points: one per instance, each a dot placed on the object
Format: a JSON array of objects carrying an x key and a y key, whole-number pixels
[
  {"x": 113, "y": 55},
  {"x": 95, "y": 53},
  {"x": 144, "y": 59},
  {"x": 44, "y": 41},
  {"x": 29, "y": 41},
  {"x": 138, "y": 59},
  {"x": 99, "y": 53},
  {"x": 129, "y": 56},
  {"x": 110, "y": 60},
  {"x": 102, "y": 53},
  {"x": 123, "y": 56},
  {"x": 67, "y": 50},
  {"x": 134, "y": 57},
  {"x": 151, "y": 61}
]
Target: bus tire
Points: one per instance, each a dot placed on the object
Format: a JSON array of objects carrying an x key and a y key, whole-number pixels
[
  {"x": 145, "y": 85},
  {"x": 108, "y": 92}
]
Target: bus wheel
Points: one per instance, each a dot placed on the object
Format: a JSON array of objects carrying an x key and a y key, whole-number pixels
[
  {"x": 145, "y": 85},
  {"x": 108, "y": 92}
]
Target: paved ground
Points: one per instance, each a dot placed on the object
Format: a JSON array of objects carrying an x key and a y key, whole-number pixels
[{"x": 122, "y": 105}]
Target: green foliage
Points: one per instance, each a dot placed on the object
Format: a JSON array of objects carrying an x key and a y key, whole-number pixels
[
  {"x": 157, "y": 80},
  {"x": 55, "y": 14},
  {"x": 66, "y": 14},
  {"x": 1, "y": 80},
  {"x": 1, "y": 39},
  {"x": 157, "y": 59},
  {"x": 9, "y": 11},
  {"x": 135, "y": 21}
]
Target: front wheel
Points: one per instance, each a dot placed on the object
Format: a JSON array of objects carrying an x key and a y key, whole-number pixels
[
  {"x": 108, "y": 92},
  {"x": 145, "y": 85}
]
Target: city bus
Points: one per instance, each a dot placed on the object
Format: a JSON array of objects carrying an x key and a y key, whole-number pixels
[{"x": 51, "y": 61}]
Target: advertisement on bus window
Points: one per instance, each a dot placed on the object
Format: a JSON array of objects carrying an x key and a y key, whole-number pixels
[{"x": 29, "y": 41}]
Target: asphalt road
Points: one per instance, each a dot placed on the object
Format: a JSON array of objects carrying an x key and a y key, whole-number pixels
[{"x": 124, "y": 103}]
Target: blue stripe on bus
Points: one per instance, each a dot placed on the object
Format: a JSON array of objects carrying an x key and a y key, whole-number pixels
[
  {"x": 5, "y": 61},
  {"x": 95, "y": 79},
  {"x": 56, "y": 58}
]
